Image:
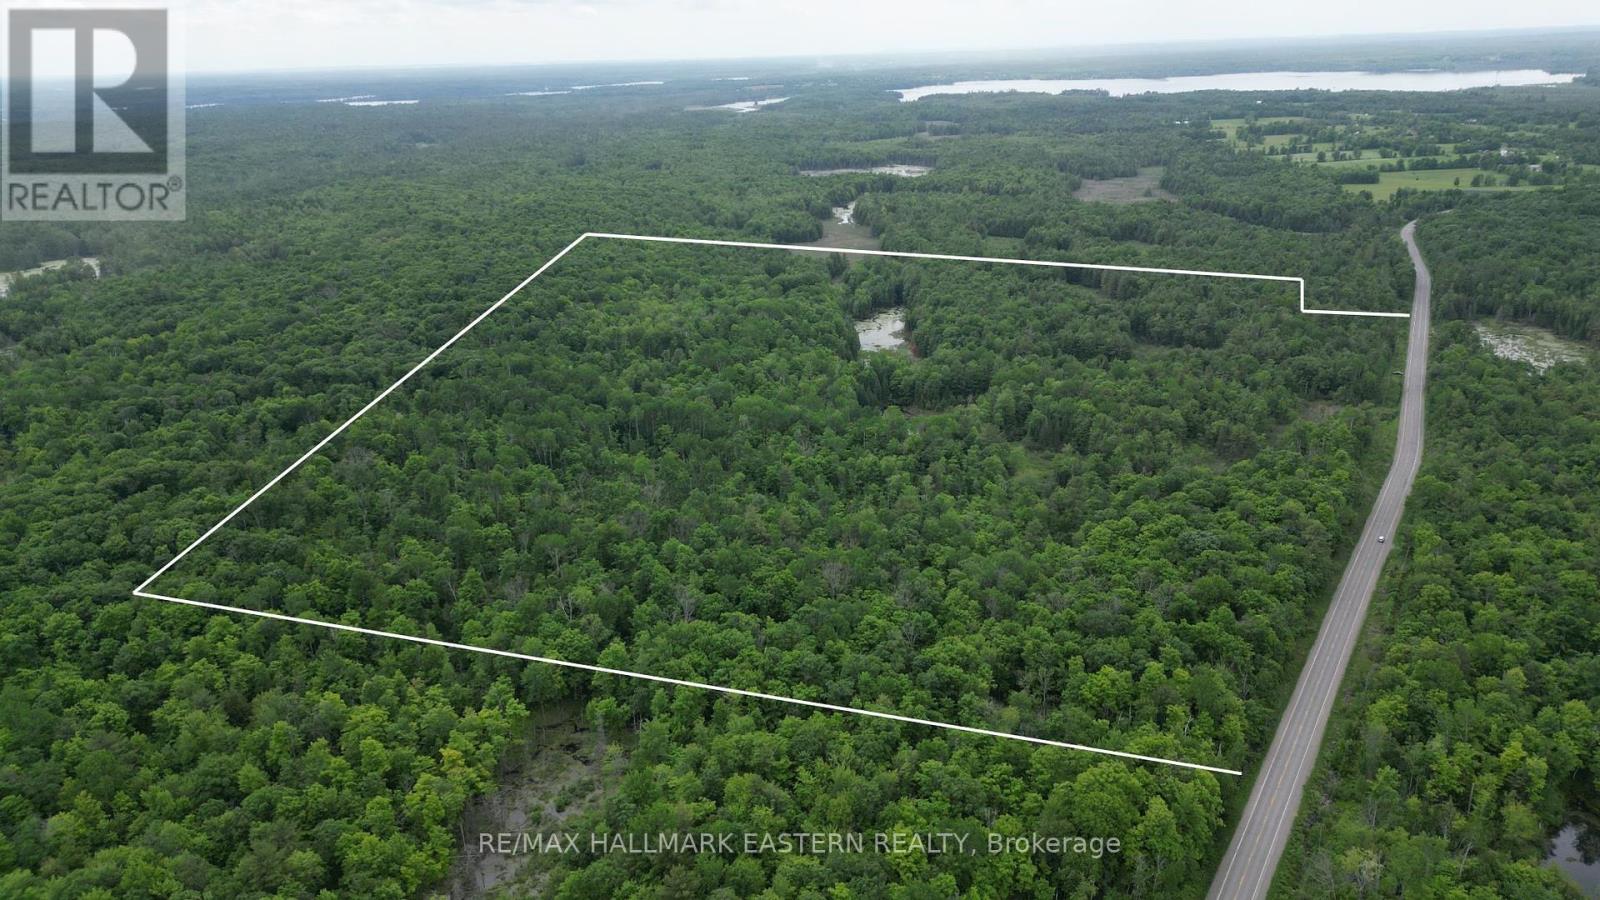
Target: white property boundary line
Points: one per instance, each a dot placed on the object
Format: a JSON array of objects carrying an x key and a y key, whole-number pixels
[{"x": 142, "y": 589}]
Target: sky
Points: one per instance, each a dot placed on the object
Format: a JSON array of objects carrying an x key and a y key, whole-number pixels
[{"x": 254, "y": 35}]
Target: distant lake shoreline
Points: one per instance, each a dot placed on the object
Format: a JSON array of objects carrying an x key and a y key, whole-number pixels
[{"x": 1252, "y": 81}]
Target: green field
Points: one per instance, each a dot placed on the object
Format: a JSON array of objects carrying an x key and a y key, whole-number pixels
[
  {"x": 1369, "y": 161},
  {"x": 1365, "y": 157},
  {"x": 1230, "y": 127},
  {"x": 1429, "y": 180}
]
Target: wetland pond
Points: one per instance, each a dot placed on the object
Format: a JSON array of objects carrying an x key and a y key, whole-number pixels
[
  {"x": 884, "y": 331},
  {"x": 844, "y": 232},
  {"x": 1576, "y": 852},
  {"x": 6, "y": 278},
  {"x": 904, "y": 171},
  {"x": 1538, "y": 347}
]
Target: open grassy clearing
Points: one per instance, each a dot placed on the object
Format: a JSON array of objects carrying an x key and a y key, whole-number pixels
[{"x": 1140, "y": 188}]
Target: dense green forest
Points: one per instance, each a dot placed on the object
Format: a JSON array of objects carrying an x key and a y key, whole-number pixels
[
  {"x": 1470, "y": 734},
  {"x": 1533, "y": 258},
  {"x": 1104, "y": 509}
]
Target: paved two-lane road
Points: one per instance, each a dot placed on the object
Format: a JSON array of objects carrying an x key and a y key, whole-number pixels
[{"x": 1252, "y": 857}]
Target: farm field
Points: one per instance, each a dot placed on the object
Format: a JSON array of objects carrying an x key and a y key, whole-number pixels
[{"x": 1430, "y": 180}]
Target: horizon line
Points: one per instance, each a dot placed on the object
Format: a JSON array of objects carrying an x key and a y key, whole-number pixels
[{"x": 1154, "y": 49}]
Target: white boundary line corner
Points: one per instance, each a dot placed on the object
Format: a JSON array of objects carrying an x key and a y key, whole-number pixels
[{"x": 143, "y": 592}]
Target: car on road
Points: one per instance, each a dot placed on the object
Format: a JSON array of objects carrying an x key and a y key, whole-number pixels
[{"x": 1380, "y": 538}]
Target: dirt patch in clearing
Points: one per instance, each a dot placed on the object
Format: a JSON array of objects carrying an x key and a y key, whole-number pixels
[
  {"x": 1141, "y": 188},
  {"x": 555, "y": 775}
]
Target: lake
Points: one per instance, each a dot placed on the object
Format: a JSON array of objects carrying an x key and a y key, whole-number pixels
[
  {"x": 743, "y": 106},
  {"x": 590, "y": 87},
  {"x": 1252, "y": 81}
]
